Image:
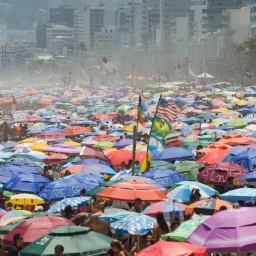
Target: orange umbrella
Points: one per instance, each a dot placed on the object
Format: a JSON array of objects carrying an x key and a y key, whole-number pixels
[
  {"x": 55, "y": 158},
  {"x": 102, "y": 117},
  {"x": 76, "y": 130},
  {"x": 101, "y": 138},
  {"x": 213, "y": 157},
  {"x": 212, "y": 148}
]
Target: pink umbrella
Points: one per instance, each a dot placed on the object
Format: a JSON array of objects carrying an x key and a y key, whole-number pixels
[{"x": 50, "y": 136}]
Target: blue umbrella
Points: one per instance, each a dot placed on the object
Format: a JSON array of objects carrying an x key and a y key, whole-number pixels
[
  {"x": 193, "y": 120},
  {"x": 226, "y": 128},
  {"x": 28, "y": 165},
  {"x": 246, "y": 158},
  {"x": 24, "y": 183},
  {"x": 6, "y": 155},
  {"x": 243, "y": 194},
  {"x": 30, "y": 155},
  {"x": 10, "y": 144},
  {"x": 249, "y": 177},
  {"x": 69, "y": 186},
  {"x": 112, "y": 217},
  {"x": 133, "y": 224},
  {"x": 73, "y": 202},
  {"x": 183, "y": 192},
  {"x": 187, "y": 129},
  {"x": 173, "y": 153},
  {"x": 164, "y": 177}
]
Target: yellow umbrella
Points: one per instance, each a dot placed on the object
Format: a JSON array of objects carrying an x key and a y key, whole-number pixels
[
  {"x": 242, "y": 103},
  {"x": 28, "y": 140},
  {"x": 108, "y": 150},
  {"x": 39, "y": 147},
  {"x": 219, "y": 110},
  {"x": 235, "y": 100},
  {"x": 129, "y": 128},
  {"x": 26, "y": 199},
  {"x": 129, "y": 77},
  {"x": 72, "y": 143}
]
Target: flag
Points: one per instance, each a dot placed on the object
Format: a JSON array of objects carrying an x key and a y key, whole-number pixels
[
  {"x": 141, "y": 110},
  {"x": 155, "y": 144},
  {"x": 161, "y": 127},
  {"x": 14, "y": 101},
  {"x": 145, "y": 166},
  {"x": 83, "y": 69},
  {"x": 114, "y": 71},
  {"x": 103, "y": 63},
  {"x": 167, "y": 110},
  {"x": 191, "y": 72}
]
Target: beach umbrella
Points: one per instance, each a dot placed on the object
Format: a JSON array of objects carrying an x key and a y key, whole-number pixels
[
  {"x": 217, "y": 174},
  {"x": 26, "y": 199},
  {"x": 168, "y": 208},
  {"x": 104, "y": 144},
  {"x": 183, "y": 192},
  {"x": 33, "y": 228},
  {"x": 76, "y": 130},
  {"x": 227, "y": 231},
  {"x": 139, "y": 224},
  {"x": 243, "y": 194},
  {"x": 90, "y": 153},
  {"x": 249, "y": 177},
  {"x": 185, "y": 229},
  {"x": 213, "y": 157},
  {"x": 164, "y": 177},
  {"x": 162, "y": 248},
  {"x": 73, "y": 202},
  {"x": 55, "y": 158},
  {"x": 188, "y": 169},
  {"x": 207, "y": 207},
  {"x": 29, "y": 154},
  {"x": 50, "y": 136},
  {"x": 128, "y": 191},
  {"x": 13, "y": 214},
  {"x": 158, "y": 164},
  {"x": 24, "y": 183},
  {"x": 63, "y": 149},
  {"x": 75, "y": 169},
  {"x": 7, "y": 228},
  {"x": 112, "y": 217},
  {"x": 69, "y": 186},
  {"x": 76, "y": 240},
  {"x": 238, "y": 123},
  {"x": 173, "y": 153}
]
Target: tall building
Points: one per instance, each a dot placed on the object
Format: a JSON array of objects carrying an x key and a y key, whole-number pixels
[
  {"x": 197, "y": 15},
  {"x": 62, "y": 15},
  {"x": 253, "y": 18},
  {"x": 128, "y": 23},
  {"x": 3, "y": 34},
  {"x": 57, "y": 31},
  {"x": 41, "y": 36},
  {"x": 169, "y": 11},
  {"x": 87, "y": 23},
  {"x": 214, "y": 18},
  {"x": 41, "y": 17}
]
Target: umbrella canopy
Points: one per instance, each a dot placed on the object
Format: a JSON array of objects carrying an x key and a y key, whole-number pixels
[
  {"x": 76, "y": 240},
  {"x": 128, "y": 191},
  {"x": 76, "y": 130},
  {"x": 112, "y": 217},
  {"x": 26, "y": 183},
  {"x": 168, "y": 208},
  {"x": 227, "y": 231},
  {"x": 139, "y": 224},
  {"x": 33, "y": 228},
  {"x": 55, "y": 158},
  {"x": 26, "y": 199},
  {"x": 163, "y": 248},
  {"x": 213, "y": 157},
  {"x": 207, "y": 207},
  {"x": 89, "y": 153},
  {"x": 173, "y": 153},
  {"x": 188, "y": 169},
  {"x": 183, "y": 192},
  {"x": 185, "y": 229},
  {"x": 164, "y": 177},
  {"x": 50, "y": 136},
  {"x": 13, "y": 214},
  {"x": 243, "y": 194},
  {"x": 218, "y": 174},
  {"x": 74, "y": 201}
]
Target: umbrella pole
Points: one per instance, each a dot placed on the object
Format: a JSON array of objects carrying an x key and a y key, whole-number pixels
[{"x": 134, "y": 149}]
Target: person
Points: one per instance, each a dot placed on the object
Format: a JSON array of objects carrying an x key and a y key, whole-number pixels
[
  {"x": 141, "y": 243},
  {"x": 59, "y": 249},
  {"x": 82, "y": 192},
  {"x": 17, "y": 247},
  {"x": 117, "y": 248},
  {"x": 39, "y": 208},
  {"x": 137, "y": 206},
  {"x": 68, "y": 212},
  {"x": 230, "y": 186},
  {"x": 95, "y": 223},
  {"x": 223, "y": 208},
  {"x": 159, "y": 228}
]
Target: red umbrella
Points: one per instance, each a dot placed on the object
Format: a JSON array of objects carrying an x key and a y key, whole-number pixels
[
  {"x": 90, "y": 153},
  {"x": 50, "y": 136},
  {"x": 217, "y": 174},
  {"x": 163, "y": 248},
  {"x": 102, "y": 117},
  {"x": 174, "y": 143},
  {"x": 55, "y": 158},
  {"x": 31, "y": 118},
  {"x": 101, "y": 138},
  {"x": 33, "y": 228},
  {"x": 213, "y": 157},
  {"x": 128, "y": 191},
  {"x": 76, "y": 130},
  {"x": 117, "y": 157}
]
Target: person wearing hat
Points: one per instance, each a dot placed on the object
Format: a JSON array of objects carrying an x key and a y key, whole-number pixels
[
  {"x": 39, "y": 208},
  {"x": 17, "y": 247}
]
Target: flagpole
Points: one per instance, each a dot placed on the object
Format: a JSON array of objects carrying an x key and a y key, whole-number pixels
[
  {"x": 152, "y": 128},
  {"x": 134, "y": 149},
  {"x": 132, "y": 73}
]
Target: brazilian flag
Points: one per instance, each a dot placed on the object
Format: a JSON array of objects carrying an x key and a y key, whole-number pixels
[{"x": 161, "y": 127}]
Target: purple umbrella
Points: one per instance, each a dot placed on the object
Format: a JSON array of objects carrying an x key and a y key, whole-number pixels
[
  {"x": 227, "y": 231},
  {"x": 123, "y": 143},
  {"x": 63, "y": 148}
]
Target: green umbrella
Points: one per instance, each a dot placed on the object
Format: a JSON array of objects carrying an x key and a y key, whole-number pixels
[
  {"x": 73, "y": 159},
  {"x": 98, "y": 189},
  {"x": 123, "y": 109},
  {"x": 207, "y": 137},
  {"x": 172, "y": 135},
  {"x": 76, "y": 241},
  {"x": 185, "y": 229},
  {"x": 4, "y": 192},
  {"x": 161, "y": 165},
  {"x": 10, "y": 226},
  {"x": 191, "y": 146},
  {"x": 103, "y": 144},
  {"x": 206, "y": 116},
  {"x": 189, "y": 169},
  {"x": 238, "y": 123}
]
